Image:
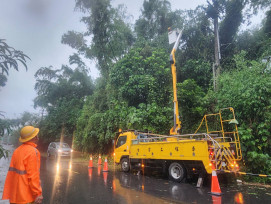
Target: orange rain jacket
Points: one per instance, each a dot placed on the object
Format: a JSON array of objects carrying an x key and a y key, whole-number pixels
[{"x": 23, "y": 179}]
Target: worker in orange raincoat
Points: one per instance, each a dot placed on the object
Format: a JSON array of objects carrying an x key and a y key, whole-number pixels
[{"x": 23, "y": 179}]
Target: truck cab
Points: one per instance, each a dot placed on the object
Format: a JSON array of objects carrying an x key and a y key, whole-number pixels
[{"x": 122, "y": 148}]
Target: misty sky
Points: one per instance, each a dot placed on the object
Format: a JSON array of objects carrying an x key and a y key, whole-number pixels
[{"x": 35, "y": 27}]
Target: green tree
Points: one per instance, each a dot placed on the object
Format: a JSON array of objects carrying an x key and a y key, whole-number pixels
[
  {"x": 247, "y": 89},
  {"x": 137, "y": 96},
  {"x": 229, "y": 28},
  {"x": 61, "y": 94},
  {"x": 10, "y": 128},
  {"x": 267, "y": 24},
  {"x": 259, "y": 4},
  {"x": 253, "y": 42},
  {"x": 155, "y": 19},
  {"x": 197, "y": 39},
  {"x": 194, "y": 59},
  {"x": 10, "y": 58},
  {"x": 111, "y": 36},
  {"x": 142, "y": 76},
  {"x": 111, "y": 39},
  {"x": 192, "y": 105}
]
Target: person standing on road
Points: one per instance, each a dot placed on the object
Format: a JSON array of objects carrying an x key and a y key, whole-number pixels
[{"x": 22, "y": 183}]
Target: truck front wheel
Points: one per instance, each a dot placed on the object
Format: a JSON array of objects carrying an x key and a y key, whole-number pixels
[
  {"x": 176, "y": 172},
  {"x": 125, "y": 166}
]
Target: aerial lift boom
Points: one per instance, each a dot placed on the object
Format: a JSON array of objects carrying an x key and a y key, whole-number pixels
[{"x": 177, "y": 123}]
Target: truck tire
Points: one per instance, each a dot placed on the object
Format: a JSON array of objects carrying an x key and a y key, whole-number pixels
[
  {"x": 176, "y": 172},
  {"x": 125, "y": 165}
]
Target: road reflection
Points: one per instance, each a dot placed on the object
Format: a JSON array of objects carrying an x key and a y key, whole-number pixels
[
  {"x": 67, "y": 182},
  {"x": 99, "y": 170},
  {"x": 238, "y": 198},
  {"x": 132, "y": 195},
  {"x": 90, "y": 174},
  {"x": 56, "y": 168},
  {"x": 132, "y": 188},
  {"x": 105, "y": 175}
]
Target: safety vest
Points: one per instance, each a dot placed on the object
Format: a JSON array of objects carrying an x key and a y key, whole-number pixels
[{"x": 23, "y": 179}]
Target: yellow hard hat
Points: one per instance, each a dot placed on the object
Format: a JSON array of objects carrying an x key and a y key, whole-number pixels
[{"x": 27, "y": 133}]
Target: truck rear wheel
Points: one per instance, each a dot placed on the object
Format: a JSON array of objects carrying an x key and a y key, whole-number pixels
[
  {"x": 125, "y": 166},
  {"x": 176, "y": 172}
]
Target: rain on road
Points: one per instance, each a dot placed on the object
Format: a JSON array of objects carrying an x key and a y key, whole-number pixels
[{"x": 67, "y": 182}]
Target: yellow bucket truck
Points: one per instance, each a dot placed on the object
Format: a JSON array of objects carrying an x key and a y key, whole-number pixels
[{"x": 181, "y": 156}]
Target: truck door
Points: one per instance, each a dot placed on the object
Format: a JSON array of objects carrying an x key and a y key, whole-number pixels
[{"x": 121, "y": 148}]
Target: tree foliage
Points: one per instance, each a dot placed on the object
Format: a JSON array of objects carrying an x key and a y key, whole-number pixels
[
  {"x": 10, "y": 129},
  {"x": 61, "y": 93},
  {"x": 156, "y": 17},
  {"x": 136, "y": 97},
  {"x": 142, "y": 77},
  {"x": 111, "y": 36},
  {"x": 230, "y": 26},
  {"x": 248, "y": 88},
  {"x": 10, "y": 58},
  {"x": 259, "y": 4},
  {"x": 192, "y": 104}
]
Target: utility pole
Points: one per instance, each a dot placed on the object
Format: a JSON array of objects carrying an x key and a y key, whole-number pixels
[
  {"x": 213, "y": 12},
  {"x": 217, "y": 54}
]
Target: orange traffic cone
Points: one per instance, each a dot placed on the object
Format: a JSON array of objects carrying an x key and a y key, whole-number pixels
[
  {"x": 90, "y": 164},
  {"x": 100, "y": 160},
  {"x": 105, "y": 165},
  {"x": 215, "y": 188}
]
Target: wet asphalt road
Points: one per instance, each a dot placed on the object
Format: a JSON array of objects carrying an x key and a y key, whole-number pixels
[{"x": 67, "y": 182}]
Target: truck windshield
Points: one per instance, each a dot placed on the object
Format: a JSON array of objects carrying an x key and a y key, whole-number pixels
[{"x": 121, "y": 141}]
